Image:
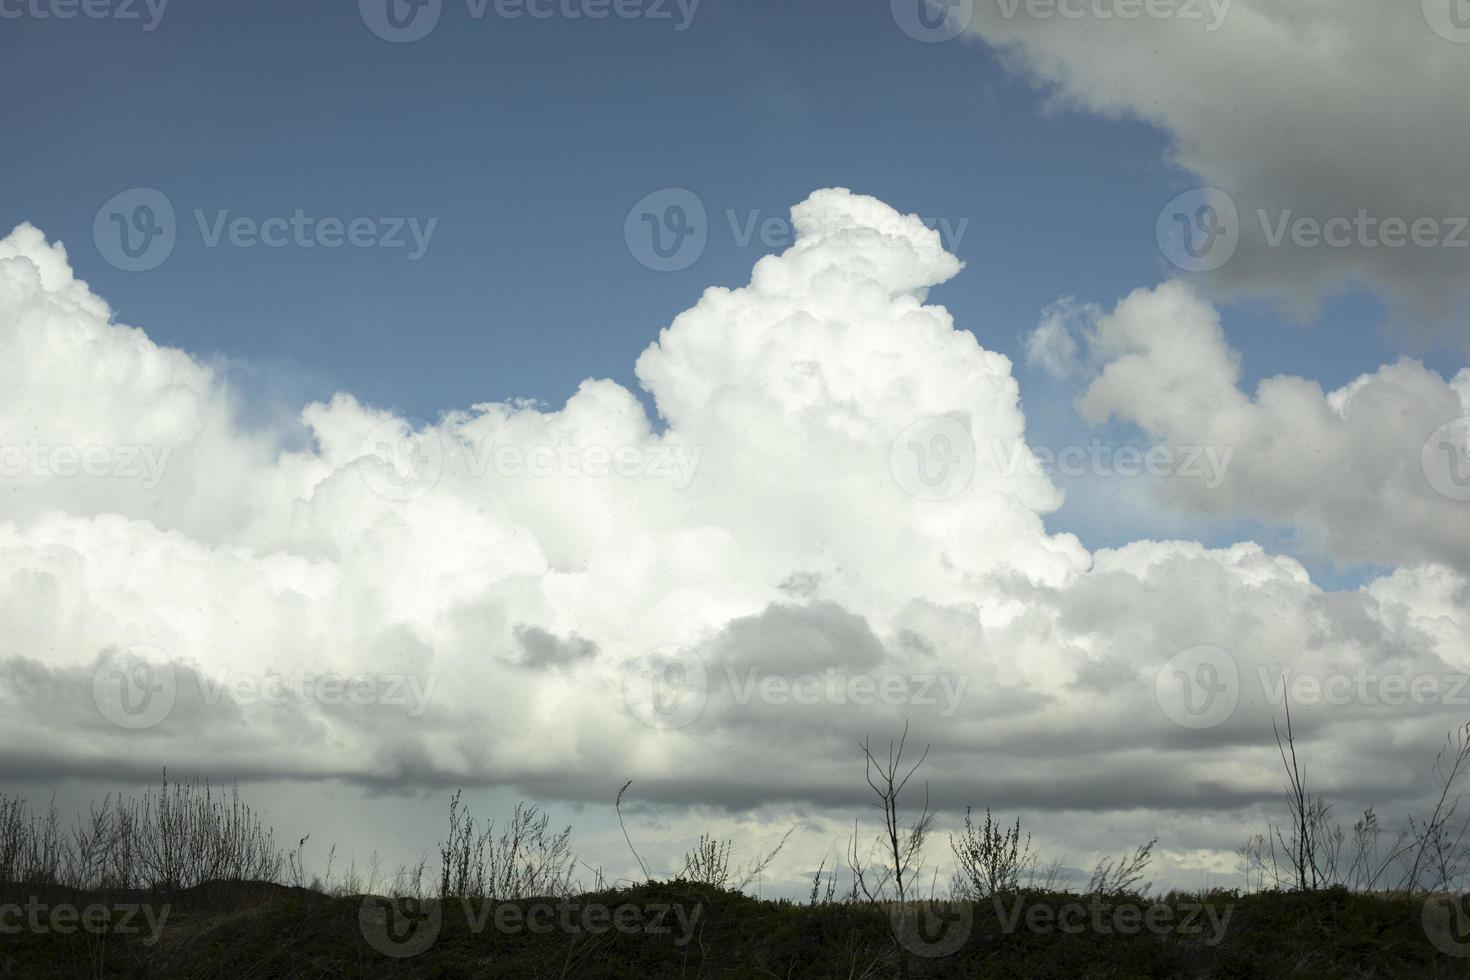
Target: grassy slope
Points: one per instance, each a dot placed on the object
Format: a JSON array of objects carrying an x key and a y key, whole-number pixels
[{"x": 294, "y": 933}]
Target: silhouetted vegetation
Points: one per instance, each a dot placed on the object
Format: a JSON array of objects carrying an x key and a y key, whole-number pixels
[{"x": 186, "y": 881}]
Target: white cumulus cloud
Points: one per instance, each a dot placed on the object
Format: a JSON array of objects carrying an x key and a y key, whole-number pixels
[{"x": 473, "y": 588}]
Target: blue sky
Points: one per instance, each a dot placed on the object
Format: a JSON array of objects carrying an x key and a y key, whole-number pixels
[{"x": 529, "y": 140}]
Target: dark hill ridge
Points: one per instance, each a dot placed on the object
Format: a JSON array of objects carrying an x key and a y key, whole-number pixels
[{"x": 677, "y": 929}]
